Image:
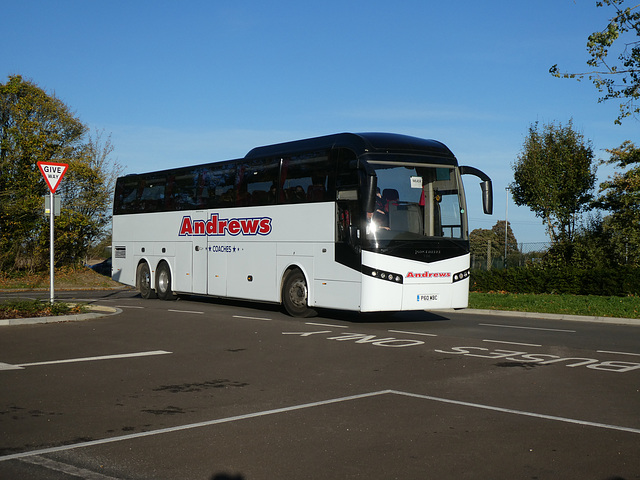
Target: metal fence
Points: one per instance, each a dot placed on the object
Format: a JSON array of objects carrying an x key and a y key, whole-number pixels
[{"x": 526, "y": 252}]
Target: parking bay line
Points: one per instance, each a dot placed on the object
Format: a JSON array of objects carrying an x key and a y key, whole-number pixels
[
  {"x": 6, "y": 366},
  {"x": 66, "y": 468},
  {"x": 520, "y": 412},
  {"x": 326, "y": 325},
  {"x": 190, "y": 426},
  {"x": 413, "y": 333},
  {"x": 251, "y": 318},
  {"x": 513, "y": 343},
  {"x": 526, "y": 328},
  {"x": 619, "y": 353}
]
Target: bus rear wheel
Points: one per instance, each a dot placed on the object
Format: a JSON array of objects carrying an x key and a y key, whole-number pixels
[
  {"x": 295, "y": 295},
  {"x": 163, "y": 282},
  {"x": 143, "y": 281}
]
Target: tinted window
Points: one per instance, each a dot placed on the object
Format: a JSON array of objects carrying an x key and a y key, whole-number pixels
[
  {"x": 152, "y": 193},
  {"x": 347, "y": 168},
  {"x": 182, "y": 190},
  {"x": 308, "y": 178},
  {"x": 217, "y": 186},
  {"x": 126, "y": 196},
  {"x": 258, "y": 182}
]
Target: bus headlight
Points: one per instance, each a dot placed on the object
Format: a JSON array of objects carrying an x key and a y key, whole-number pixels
[
  {"x": 382, "y": 275},
  {"x": 457, "y": 277}
]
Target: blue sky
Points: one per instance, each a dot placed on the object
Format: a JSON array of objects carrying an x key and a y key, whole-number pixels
[{"x": 178, "y": 83}]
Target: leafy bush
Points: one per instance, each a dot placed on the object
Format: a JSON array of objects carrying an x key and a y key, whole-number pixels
[
  {"x": 620, "y": 281},
  {"x": 36, "y": 308}
]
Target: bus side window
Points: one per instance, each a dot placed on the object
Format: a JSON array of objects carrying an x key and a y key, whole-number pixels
[
  {"x": 347, "y": 182},
  {"x": 152, "y": 197},
  {"x": 308, "y": 177},
  {"x": 201, "y": 187},
  {"x": 344, "y": 222},
  {"x": 222, "y": 187},
  {"x": 257, "y": 180},
  {"x": 126, "y": 196},
  {"x": 184, "y": 190},
  {"x": 346, "y": 171}
]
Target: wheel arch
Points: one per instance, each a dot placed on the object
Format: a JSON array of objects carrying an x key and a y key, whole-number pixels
[
  {"x": 169, "y": 264},
  {"x": 291, "y": 267},
  {"x": 146, "y": 291},
  {"x": 152, "y": 271},
  {"x": 170, "y": 295}
]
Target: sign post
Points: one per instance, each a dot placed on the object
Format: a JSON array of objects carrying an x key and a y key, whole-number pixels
[{"x": 52, "y": 173}]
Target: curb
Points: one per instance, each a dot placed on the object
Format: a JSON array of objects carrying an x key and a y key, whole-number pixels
[
  {"x": 67, "y": 289},
  {"x": 102, "y": 311},
  {"x": 97, "y": 312},
  {"x": 552, "y": 316}
]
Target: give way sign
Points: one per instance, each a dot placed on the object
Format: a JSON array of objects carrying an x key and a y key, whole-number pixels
[{"x": 52, "y": 173}]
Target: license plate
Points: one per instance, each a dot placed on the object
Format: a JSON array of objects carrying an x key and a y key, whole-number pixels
[{"x": 428, "y": 297}]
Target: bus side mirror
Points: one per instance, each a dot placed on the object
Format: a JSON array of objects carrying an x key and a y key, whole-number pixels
[
  {"x": 487, "y": 196},
  {"x": 485, "y": 185}
]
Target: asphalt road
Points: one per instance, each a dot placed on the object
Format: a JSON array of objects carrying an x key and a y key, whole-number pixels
[{"x": 199, "y": 389}]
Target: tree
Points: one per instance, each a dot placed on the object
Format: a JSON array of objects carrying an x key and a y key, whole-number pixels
[
  {"x": 554, "y": 177},
  {"x": 481, "y": 241},
  {"x": 491, "y": 242},
  {"x": 590, "y": 249},
  {"x": 499, "y": 234},
  {"x": 618, "y": 78},
  {"x": 35, "y": 126},
  {"x": 620, "y": 195},
  {"x": 89, "y": 185}
]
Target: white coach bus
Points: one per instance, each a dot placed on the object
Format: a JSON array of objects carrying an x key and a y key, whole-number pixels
[{"x": 365, "y": 222}]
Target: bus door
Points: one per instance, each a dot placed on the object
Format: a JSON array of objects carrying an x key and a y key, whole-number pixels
[
  {"x": 217, "y": 263},
  {"x": 199, "y": 248},
  {"x": 199, "y": 259}
]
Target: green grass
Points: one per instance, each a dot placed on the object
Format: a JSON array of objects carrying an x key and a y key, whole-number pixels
[
  {"x": 66, "y": 278},
  {"x": 37, "y": 308},
  {"x": 591, "y": 305},
  {"x": 621, "y": 307}
]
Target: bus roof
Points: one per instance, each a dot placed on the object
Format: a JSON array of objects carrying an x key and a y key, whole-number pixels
[{"x": 360, "y": 143}]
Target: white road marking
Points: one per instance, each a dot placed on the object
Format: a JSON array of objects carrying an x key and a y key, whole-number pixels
[
  {"x": 208, "y": 423},
  {"x": 513, "y": 343},
  {"x": 326, "y": 325},
  {"x": 619, "y": 353},
  {"x": 185, "y": 311},
  {"x": 519, "y": 412},
  {"x": 413, "y": 333},
  {"x": 66, "y": 468},
  {"x": 6, "y": 366},
  {"x": 526, "y": 328},
  {"x": 179, "y": 428},
  {"x": 252, "y": 318},
  {"x": 128, "y": 306}
]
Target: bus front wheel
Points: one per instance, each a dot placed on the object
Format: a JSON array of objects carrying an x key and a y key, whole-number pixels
[
  {"x": 295, "y": 295},
  {"x": 163, "y": 282},
  {"x": 144, "y": 281}
]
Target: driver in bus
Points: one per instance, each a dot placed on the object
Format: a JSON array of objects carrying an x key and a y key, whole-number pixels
[{"x": 380, "y": 216}]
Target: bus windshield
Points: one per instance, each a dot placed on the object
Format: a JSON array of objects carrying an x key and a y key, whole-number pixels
[{"x": 414, "y": 201}]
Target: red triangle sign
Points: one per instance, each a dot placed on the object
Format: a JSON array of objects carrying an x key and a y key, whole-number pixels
[{"x": 52, "y": 173}]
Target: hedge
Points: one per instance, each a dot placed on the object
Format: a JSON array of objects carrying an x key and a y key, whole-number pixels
[{"x": 621, "y": 281}]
